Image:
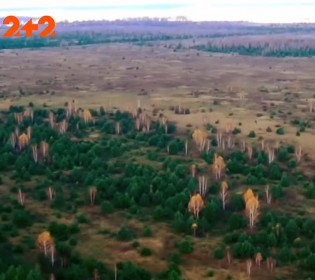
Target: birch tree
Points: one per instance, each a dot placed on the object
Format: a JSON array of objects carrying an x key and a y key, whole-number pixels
[
  {"x": 44, "y": 242},
  {"x": 224, "y": 193},
  {"x": 251, "y": 207},
  {"x": 195, "y": 204}
]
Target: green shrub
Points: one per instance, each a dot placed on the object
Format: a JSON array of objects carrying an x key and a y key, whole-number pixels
[
  {"x": 14, "y": 232},
  {"x": 291, "y": 230},
  {"x": 285, "y": 255},
  {"x": 280, "y": 131},
  {"x": 285, "y": 181},
  {"x": 144, "y": 252},
  {"x": 236, "y": 130},
  {"x": 218, "y": 254},
  {"x": 106, "y": 207},
  {"x": 74, "y": 228},
  {"x": 185, "y": 246},
  {"x": 58, "y": 215},
  {"x": 243, "y": 250},
  {"x": 29, "y": 242},
  {"x": 125, "y": 234},
  {"x": 4, "y": 217},
  {"x": 18, "y": 249},
  {"x": 73, "y": 242},
  {"x": 310, "y": 192},
  {"x": 283, "y": 154},
  {"x": 252, "y": 134},
  {"x": 175, "y": 146},
  {"x": 22, "y": 218},
  {"x": 275, "y": 172},
  {"x": 236, "y": 221},
  {"x": 59, "y": 231},
  {"x": 82, "y": 219},
  {"x": 175, "y": 258},
  {"x": 276, "y": 191},
  {"x": 292, "y": 164},
  {"x": 236, "y": 203},
  {"x": 135, "y": 244},
  {"x": 214, "y": 142},
  {"x": 3, "y": 238},
  {"x": 290, "y": 149},
  {"x": 210, "y": 273},
  {"x": 146, "y": 232}
]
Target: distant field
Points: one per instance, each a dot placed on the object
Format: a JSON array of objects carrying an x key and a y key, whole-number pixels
[{"x": 117, "y": 75}]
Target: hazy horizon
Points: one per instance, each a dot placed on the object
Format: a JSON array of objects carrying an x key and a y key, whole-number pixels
[{"x": 277, "y": 11}]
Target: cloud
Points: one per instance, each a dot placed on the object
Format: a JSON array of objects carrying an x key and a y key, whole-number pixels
[
  {"x": 233, "y": 10},
  {"x": 20, "y": 4}
]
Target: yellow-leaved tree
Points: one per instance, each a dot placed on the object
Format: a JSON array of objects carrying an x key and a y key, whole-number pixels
[
  {"x": 247, "y": 195},
  {"x": 45, "y": 242},
  {"x": 251, "y": 207},
  {"x": 195, "y": 204},
  {"x": 200, "y": 138},
  {"x": 218, "y": 166},
  {"x": 87, "y": 116},
  {"x": 23, "y": 141}
]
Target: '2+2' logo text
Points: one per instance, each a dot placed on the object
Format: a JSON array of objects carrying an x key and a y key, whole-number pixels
[{"x": 29, "y": 27}]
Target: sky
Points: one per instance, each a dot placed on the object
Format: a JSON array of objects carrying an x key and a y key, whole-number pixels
[{"x": 261, "y": 11}]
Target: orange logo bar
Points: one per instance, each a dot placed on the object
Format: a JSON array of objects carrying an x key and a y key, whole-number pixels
[{"x": 29, "y": 27}]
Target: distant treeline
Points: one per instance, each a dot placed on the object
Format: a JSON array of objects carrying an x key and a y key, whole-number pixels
[
  {"x": 258, "y": 50},
  {"x": 89, "y": 38},
  {"x": 241, "y": 38},
  {"x": 84, "y": 38}
]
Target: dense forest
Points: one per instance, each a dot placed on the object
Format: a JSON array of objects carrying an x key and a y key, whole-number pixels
[
  {"x": 84, "y": 38},
  {"x": 201, "y": 182},
  {"x": 275, "y": 46},
  {"x": 262, "y": 51}
]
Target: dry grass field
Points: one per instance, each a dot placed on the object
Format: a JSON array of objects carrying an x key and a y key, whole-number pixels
[{"x": 118, "y": 75}]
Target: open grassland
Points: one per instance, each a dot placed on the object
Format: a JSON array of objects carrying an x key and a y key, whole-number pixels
[{"x": 119, "y": 75}]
